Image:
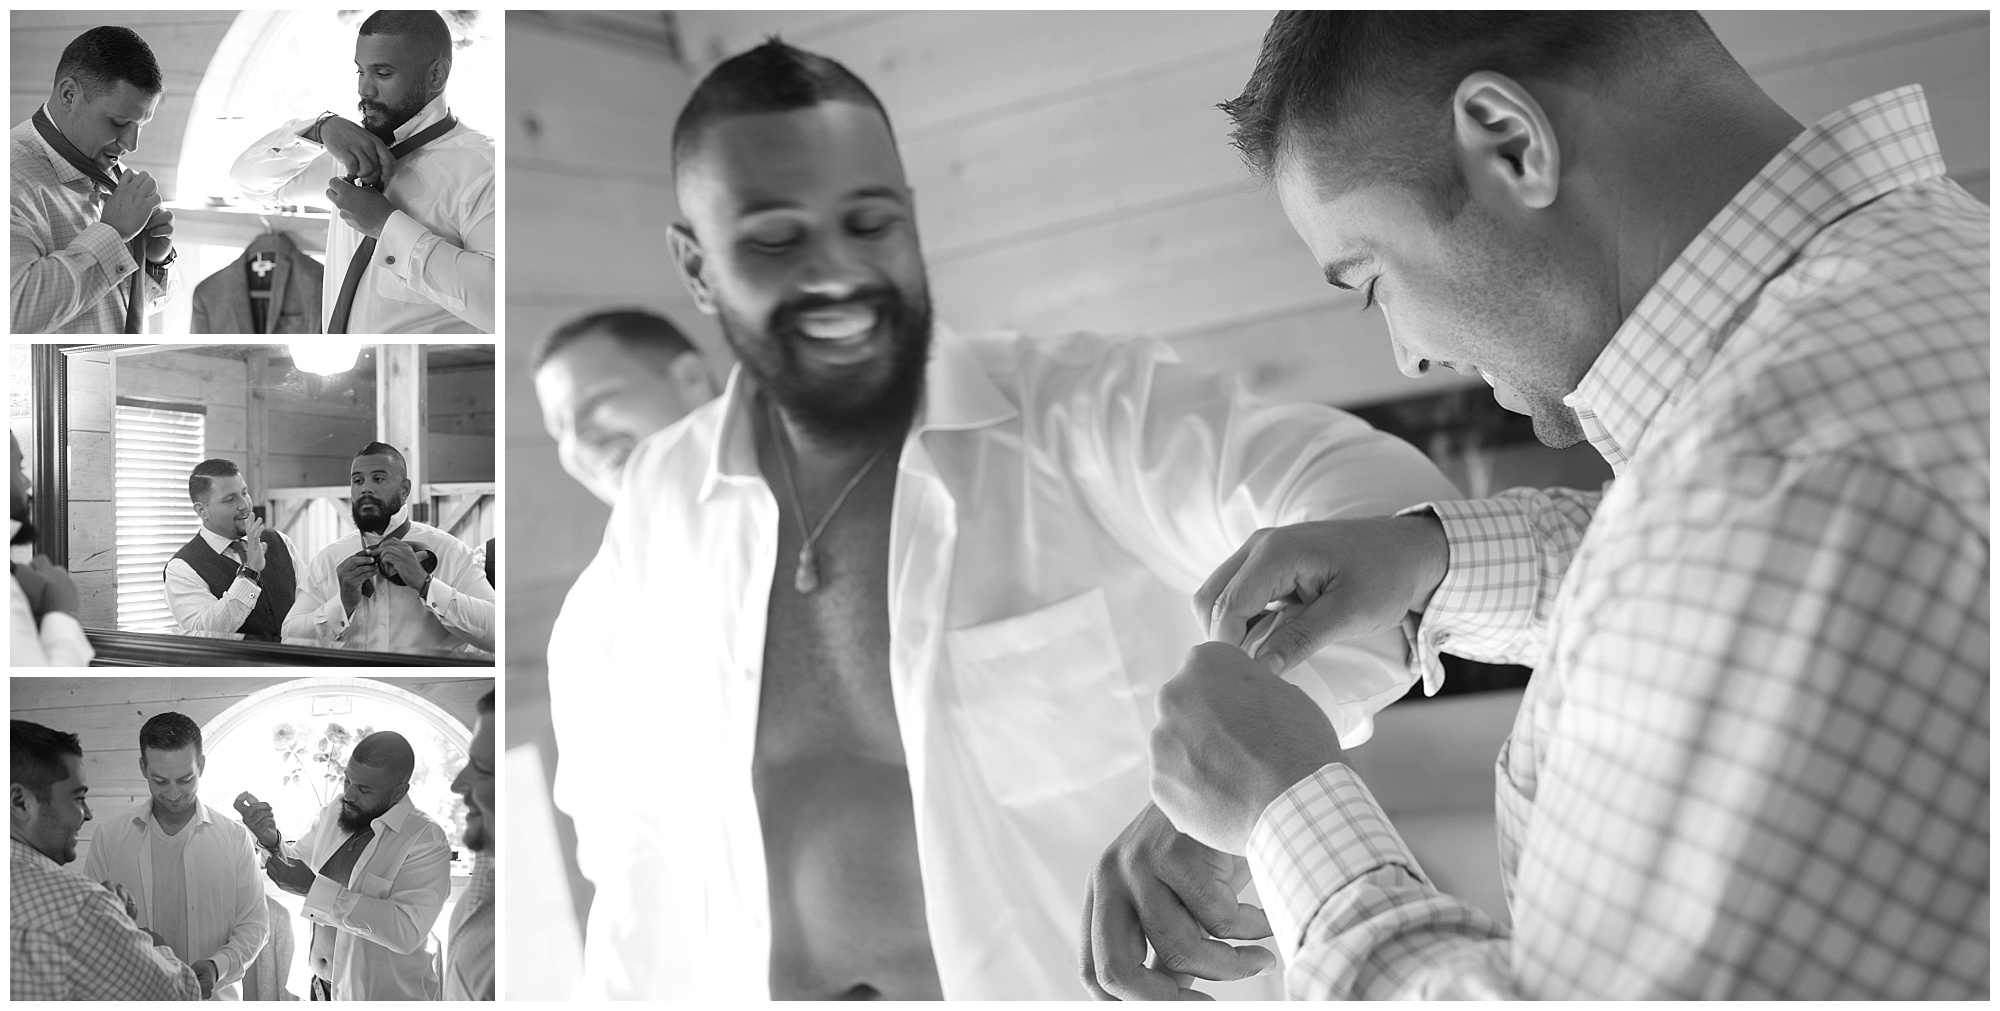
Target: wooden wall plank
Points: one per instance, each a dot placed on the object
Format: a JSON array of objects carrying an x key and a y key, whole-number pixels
[
  {"x": 624, "y": 130},
  {"x": 92, "y": 537},
  {"x": 89, "y": 393}
]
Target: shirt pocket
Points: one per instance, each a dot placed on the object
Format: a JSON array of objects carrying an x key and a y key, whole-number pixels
[
  {"x": 375, "y": 886},
  {"x": 1045, "y": 705}
]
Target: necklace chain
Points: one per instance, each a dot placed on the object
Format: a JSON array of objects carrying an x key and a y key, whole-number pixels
[{"x": 805, "y": 578}]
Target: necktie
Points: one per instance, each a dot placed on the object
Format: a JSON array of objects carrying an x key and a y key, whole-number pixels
[
  {"x": 351, "y": 282},
  {"x": 368, "y": 585},
  {"x": 135, "y": 298},
  {"x": 339, "y": 867},
  {"x": 237, "y": 548}
]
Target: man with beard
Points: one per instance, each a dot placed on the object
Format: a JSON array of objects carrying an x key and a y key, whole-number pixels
[
  {"x": 42, "y": 602},
  {"x": 394, "y": 584},
  {"x": 1754, "y": 758},
  {"x": 469, "y": 948},
  {"x": 913, "y": 594},
  {"x": 412, "y": 248},
  {"x": 384, "y": 873},
  {"x": 83, "y": 225},
  {"x": 70, "y": 938},
  {"x": 607, "y": 381},
  {"x": 191, "y": 870},
  {"x": 234, "y": 576}
]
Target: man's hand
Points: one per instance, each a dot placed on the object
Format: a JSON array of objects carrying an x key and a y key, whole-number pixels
[
  {"x": 291, "y": 875},
  {"x": 131, "y": 207},
  {"x": 257, "y": 817},
  {"x": 399, "y": 559},
  {"x": 159, "y": 235},
  {"x": 365, "y": 209},
  {"x": 1352, "y": 578},
  {"x": 58, "y": 590},
  {"x": 357, "y": 569},
  {"x": 124, "y": 899},
  {"x": 1232, "y": 736},
  {"x": 362, "y": 155},
  {"x": 1156, "y": 885},
  {"x": 254, "y": 548},
  {"x": 205, "y": 971}
]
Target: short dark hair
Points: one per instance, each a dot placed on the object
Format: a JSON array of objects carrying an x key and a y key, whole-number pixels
[
  {"x": 169, "y": 732},
  {"x": 635, "y": 328},
  {"x": 485, "y": 704},
  {"x": 426, "y": 27},
  {"x": 205, "y": 474},
  {"x": 384, "y": 449},
  {"x": 386, "y": 749},
  {"x": 774, "y": 77},
  {"x": 36, "y": 757},
  {"x": 103, "y": 56},
  {"x": 1377, "y": 85}
]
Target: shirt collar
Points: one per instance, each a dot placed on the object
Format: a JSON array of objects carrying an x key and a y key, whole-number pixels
[
  {"x": 958, "y": 394},
  {"x": 393, "y": 818},
  {"x": 1844, "y": 161},
  {"x": 215, "y": 540},
  {"x": 432, "y": 111},
  {"x": 65, "y": 172},
  {"x": 142, "y": 814},
  {"x": 23, "y": 851}
]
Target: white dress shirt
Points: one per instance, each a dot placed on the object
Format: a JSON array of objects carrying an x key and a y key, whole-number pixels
[
  {"x": 227, "y": 917},
  {"x": 432, "y": 270},
  {"x": 197, "y": 609},
  {"x": 1753, "y": 762},
  {"x": 456, "y": 612},
  {"x": 387, "y": 906},
  {"x": 70, "y": 272},
  {"x": 1057, "y": 504},
  {"x": 58, "y": 641}
]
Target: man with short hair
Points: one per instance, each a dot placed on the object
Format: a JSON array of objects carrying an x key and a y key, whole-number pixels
[
  {"x": 411, "y": 249},
  {"x": 1753, "y": 761},
  {"x": 235, "y": 576},
  {"x": 383, "y": 875},
  {"x": 82, "y": 226},
  {"x": 42, "y": 602},
  {"x": 469, "y": 950},
  {"x": 190, "y": 869},
  {"x": 607, "y": 381},
  {"x": 395, "y": 584},
  {"x": 919, "y": 590},
  {"x": 70, "y": 938}
]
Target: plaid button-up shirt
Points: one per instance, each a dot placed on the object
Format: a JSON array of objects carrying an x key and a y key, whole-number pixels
[
  {"x": 69, "y": 939},
  {"x": 69, "y": 271},
  {"x": 1752, "y": 762}
]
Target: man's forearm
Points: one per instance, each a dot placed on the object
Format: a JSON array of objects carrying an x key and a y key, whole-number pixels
[
  {"x": 275, "y": 167},
  {"x": 51, "y": 289},
  {"x": 459, "y": 280},
  {"x": 467, "y": 616}
]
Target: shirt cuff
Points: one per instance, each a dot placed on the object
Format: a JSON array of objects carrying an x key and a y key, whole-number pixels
[
  {"x": 113, "y": 252},
  {"x": 396, "y": 251},
  {"x": 333, "y": 617},
  {"x": 322, "y": 896},
  {"x": 299, "y": 143},
  {"x": 1314, "y": 840},
  {"x": 1488, "y": 592}
]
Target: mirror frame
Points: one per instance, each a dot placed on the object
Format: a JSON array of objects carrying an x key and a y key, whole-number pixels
[{"x": 49, "y": 384}]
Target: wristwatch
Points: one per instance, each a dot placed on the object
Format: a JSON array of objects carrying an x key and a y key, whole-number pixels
[
  {"x": 312, "y": 132},
  {"x": 246, "y": 572},
  {"x": 158, "y": 271}
]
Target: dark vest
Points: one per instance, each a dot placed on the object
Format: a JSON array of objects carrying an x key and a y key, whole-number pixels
[{"x": 267, "y": 619}]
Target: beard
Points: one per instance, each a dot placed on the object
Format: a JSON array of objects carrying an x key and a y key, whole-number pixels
[
  {"x": 839, "y": 407},
  {"x": 393, "y": 116},
  {"x": 23, "y": 534},
  {"x": 353, "y": 819},
  {"x": 378, "y": 523},
  {"x": 477, "y": 836}
]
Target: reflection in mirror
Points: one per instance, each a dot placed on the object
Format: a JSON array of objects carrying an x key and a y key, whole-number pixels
[{"x": 270, "y": 440}]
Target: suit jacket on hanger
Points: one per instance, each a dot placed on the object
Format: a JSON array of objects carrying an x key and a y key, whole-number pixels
[{"x": 222, "y": 299}]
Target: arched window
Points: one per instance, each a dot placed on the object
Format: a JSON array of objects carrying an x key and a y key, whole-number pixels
[{"x": 287, "y": 744}]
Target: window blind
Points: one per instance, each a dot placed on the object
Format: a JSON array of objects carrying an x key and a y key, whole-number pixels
[{"x": 157, "y": 449}]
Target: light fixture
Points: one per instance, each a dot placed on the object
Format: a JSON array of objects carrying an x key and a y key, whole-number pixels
[{"x": 327, "y": 356}]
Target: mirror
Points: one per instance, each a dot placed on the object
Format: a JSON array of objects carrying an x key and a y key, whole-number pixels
[{"x": 118, "y": 429}]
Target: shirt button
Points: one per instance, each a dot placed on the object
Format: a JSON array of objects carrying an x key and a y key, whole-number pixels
[
  {"x": 391, "y": 259},
  {"x": 1441, "y": 638}
]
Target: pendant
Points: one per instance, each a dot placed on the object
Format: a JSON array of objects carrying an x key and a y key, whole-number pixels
[{"x": 806, "y": 578}]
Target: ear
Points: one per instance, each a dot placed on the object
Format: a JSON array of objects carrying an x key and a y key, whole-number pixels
[
  {"x": 67, "y": 93},
  {"x": 396, "y": 796},
  {"x": 23, "y": 803},
  {"x": 406, "y": 489},
  {"x": 201, "y": 765},
  {"x": 691, "y": 376},
  {"x": 1505, "y": 142},
  {"x": 440, "y": 73},
  {"x": 693, "y": 265}
]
